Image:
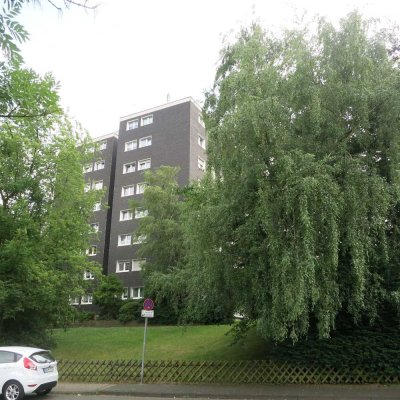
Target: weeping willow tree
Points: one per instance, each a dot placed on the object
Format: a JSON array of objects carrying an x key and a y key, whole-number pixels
[{"x": 298, "y": 221}]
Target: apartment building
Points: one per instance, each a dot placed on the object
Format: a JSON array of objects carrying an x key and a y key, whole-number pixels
[{"x": 170, "y": 134}]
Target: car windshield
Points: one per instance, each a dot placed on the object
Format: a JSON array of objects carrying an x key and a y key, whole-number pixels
[{"x": 42, "y": 357}]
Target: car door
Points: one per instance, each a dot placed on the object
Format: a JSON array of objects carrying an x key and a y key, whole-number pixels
[{"x": 8, "y": 366}]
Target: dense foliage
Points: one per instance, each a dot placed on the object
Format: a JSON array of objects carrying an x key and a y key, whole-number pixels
[
  {"x": 43, "y": 207},
  {"x": 299, "y": 220},
  {"x": 167, "y": 277},
  {"x": 107, "y": 295}
]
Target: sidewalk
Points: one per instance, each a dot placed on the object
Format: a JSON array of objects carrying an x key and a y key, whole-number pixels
[{"x": 289, "y": 392}]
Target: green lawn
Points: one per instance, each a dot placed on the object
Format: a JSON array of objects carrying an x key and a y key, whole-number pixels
[{"x": 208, "y": 342}]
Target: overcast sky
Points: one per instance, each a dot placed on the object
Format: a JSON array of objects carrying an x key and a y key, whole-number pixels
[{"x": 130, "y": 54}]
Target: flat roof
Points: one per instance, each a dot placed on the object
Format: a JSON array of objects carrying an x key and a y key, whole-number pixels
[
  {"x": 161, "y": 107},
  {"x": 106, "y": 136}
]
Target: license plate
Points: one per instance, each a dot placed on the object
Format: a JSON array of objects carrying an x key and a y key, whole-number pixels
[{"x": 48, "y": 369}]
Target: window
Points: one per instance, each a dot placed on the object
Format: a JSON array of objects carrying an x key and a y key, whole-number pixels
[
  {"x": 144, "y": 164},
  {"x": 87, "y": 275},
  {"x": 125, "y": 215},
  {"x": 124, "y": 240},
  {"x": 87, "y": 299},
  {"x": 88, "y": 168},
  {"x": 141, "y": 213},
  {"x": 132, "y": 124},
  {"x": 140, "y": 239},
  {"x": 97, "y": 185},
  {"x": 99, "y": 165},
  {"x": 201, "y": 122},
  {"x": 129, "y": 167},
  {"x": 140, "y": 188},
  {"x": 136, "y": 292},
  {"x": 97, "y": 206},
  {"x": 128, "y": 190},
  {"x": 147, "y": 120},
  {"x": 103, "y": 145},
  {"x": 144, "y": 142},
  {"x": 87, "y": 187},
  {"x": 201, "y": 141},
  {"x": 91, "y": 251},
  {"x": 7, "y": 357},
  {"x": 125, "y": 293},
  {"x": 137, "y": 264},
  {"x": 123, "y": 266},
  {"x": 132, "y": 145},
  {"x": 74, "y": 301},
  {"x": 201, "y": 164},
  {"x": 94, "y": 227}
]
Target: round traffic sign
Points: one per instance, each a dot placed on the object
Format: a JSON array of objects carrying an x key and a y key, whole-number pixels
[{"x": 148, "y": 304}]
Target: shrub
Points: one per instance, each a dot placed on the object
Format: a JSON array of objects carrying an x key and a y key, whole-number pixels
[{"x": 130, "y": 311}]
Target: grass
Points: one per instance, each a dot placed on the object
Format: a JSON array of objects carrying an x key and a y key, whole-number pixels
[{"x": 205, "y": 342}]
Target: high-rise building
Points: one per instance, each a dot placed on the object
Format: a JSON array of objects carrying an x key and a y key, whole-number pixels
[{"x": 172, "y": 134}]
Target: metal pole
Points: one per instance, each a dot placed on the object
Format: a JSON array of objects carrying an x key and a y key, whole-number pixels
[{"x": 144, "y": 347}]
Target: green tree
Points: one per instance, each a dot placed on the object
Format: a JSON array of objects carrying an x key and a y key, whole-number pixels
[
  {"x": 167, "y": 276},
  {"x": 43, "y": 207},
  {"x": 108, "y": 296},
  {"x": 299, "y": 220}
]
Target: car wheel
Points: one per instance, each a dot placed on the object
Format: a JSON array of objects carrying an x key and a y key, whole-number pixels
[
  {"x": 43, "y": 392},
  {"x": 13, "y": 390}
]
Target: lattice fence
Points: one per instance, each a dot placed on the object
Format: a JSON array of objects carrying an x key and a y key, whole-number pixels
[{"x": 217, "y": 372}]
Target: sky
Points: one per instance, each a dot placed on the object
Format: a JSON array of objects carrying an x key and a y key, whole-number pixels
[{"x": 129, "y": 55}]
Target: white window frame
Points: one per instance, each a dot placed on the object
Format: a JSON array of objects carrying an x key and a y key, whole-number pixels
[
  {"x": 201, "y": 122},
  {"x": 103, "y": 145},
  {"x": 141, "y": 213},
  {"x": 98, "y": 165},
  {"x": 94, "y": 227},
  {"x": 87, "y": 168},
  {"x": 201, "y": 164},
  {"x": 132, "y": 124},
  {"x": 146, "y": 120},
  {"x": 87, "y": 299},
  {"x": 126, "y": 266},
  {"x": 125, "y": 293},
  {"x": 88, "y": 276},
  {"x": 126, "y": 215},
  {"x": 122, "y": 241},
  {"x": 74, "y": 301},
  {"x": 128, "y": 190},
  {"x": 131, "y": 145},
  {"x": 97, "y": 206},
  {"x": 140, "y": 188},
  {"x": 137, "y": 264},
  {"x": 127, "y": 166},
  {"x": 139, "y": 292},
  {"x": 144, "y": 164},
  {"x": 145, "y": 141},
  {"x": 91, "y": 251},
  {"x": 87, "y": 187},
  {"x": 97, "y": 185},
  {"x": 201, "y": 142}
]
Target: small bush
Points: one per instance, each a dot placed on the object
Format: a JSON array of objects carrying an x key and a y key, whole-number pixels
[
  {"x": 130, "y": 311},
  {"x": 82, "y": 316}
]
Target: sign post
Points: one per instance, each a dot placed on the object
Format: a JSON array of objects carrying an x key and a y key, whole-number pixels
[{"x": 147, "y": 312}]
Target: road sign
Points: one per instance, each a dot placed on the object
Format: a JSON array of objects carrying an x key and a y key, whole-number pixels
[
  {"x": 148, "y": 313},
  {"x": 148, "y": 304}
]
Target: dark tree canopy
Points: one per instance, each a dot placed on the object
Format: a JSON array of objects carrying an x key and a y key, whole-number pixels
[
  {"x": 300, "y": 216},
  {"x": 44, "y": 211}
]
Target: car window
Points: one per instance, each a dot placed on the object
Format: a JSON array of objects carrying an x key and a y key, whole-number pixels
[
  {"x": 9, "y": 357},
  {"x": 42, "y": 357}
]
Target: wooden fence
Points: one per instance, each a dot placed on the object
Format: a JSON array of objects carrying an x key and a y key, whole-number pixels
[{"x": 128, "y": 371}]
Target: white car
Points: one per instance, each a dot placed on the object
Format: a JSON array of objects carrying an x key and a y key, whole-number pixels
[{"x": 25, "y": 370}]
